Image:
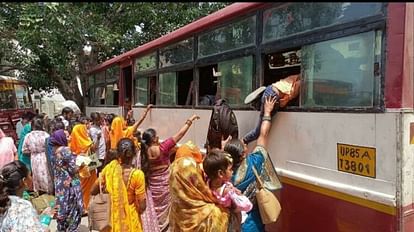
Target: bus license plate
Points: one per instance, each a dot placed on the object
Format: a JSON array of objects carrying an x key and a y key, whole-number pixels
[{"x": 356, "y": 160}]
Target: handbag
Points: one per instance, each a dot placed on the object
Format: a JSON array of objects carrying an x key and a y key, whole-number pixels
[
  {"x": 99, "y": 211},
  {"x": 91, "y": 161},
  {"x": 269, "y": 205},
  {"x": 40, "y": 203}
]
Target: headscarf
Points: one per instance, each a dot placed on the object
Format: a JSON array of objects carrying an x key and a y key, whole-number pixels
[
  {"x": 58, "y": 138},
  {"x": 193, "y": 206},
  {"x": 24, "y": 158},
  {"x": 189, "y": 149},
  {"x": 2, "y": 135},
  {"x": 119, "y": 130},
  {"x": 80, "y": 141}
]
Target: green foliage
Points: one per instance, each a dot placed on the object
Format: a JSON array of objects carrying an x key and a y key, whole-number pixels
[{"x": 51, "y": 36}]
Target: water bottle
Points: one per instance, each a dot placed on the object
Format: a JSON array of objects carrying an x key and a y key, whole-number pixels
[
  {"x": 26, "y": 196},
  {"x": 45, "y": 220},
  {"x": 46, "y": 216}
]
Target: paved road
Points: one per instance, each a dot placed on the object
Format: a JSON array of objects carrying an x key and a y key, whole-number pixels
[{"x": 83, "y": 227}]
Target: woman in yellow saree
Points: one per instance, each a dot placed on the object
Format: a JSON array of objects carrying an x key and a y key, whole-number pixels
[
  {"x": 193, "y": 206},
  {"x": 120, "y": 130},
  {"x": 126, "y": 187},
  {"x": 80, "y": 143}
]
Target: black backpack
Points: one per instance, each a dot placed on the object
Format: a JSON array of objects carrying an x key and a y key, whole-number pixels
[{"x": 223, "y": 123}]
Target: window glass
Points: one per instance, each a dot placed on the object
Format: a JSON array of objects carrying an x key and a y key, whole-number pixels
[
  {"x": 236, "y": 79},
  {"x": 100, "y": 77},
  {"x": 340, "y": 72},
  {"x": 7, "y": 98},
  {"x": 236, "y": 35},
  {"x": 100, "y": 95},
  {"x": 141, "y": 91},
  {"x": 91, "y": 96},
  {"x": 177, "y": 53},
  {"x": 168, "y": 88},
  {"x": 91, "y": 80},
  {"x": 112, "y": 74},
  {"x": 109, "y": 94},
  {"x": 296, "y": 18},
  {"x": 22, "y": 96},
  {"x": 146, "y": 63}
]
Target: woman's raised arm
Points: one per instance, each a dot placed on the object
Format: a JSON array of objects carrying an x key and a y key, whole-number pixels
[
  {"x": 141, "y": 120},
  {"x": 180, "y": 134}
]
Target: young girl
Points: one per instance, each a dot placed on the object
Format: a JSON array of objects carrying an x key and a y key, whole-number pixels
[{"x": 218, "y": 167}]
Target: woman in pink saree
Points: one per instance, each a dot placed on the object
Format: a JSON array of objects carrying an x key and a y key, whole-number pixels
[
  {"x": 155, "y": 162},
  {"x": 8, "y": 151}
]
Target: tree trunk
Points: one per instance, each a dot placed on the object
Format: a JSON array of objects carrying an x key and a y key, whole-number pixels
[{"x": 69, "y": 90}]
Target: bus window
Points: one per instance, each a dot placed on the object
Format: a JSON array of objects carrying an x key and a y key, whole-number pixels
[
  {"x": 153, "y": 90},
  {"x": 99, "y": 95},
  {"x": 292, "y": 19},
  {"x": 207, "y": 85},
  {"x": 235, "y": 79},
  {"x": 184, "y": 87},
  {"x": 141, "y": 91},
  {"x": 280, "y": 65},
  {"x": 168, "y": 89},
  {"x": 22, "y": 96},
  {"x": 339, "y": 72},
  {"x": 145, "y": 90},
  {"x": 7, "y": 99}
]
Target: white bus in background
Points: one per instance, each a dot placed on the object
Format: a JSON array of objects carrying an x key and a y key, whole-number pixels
[{"x": 49, "y": 103}]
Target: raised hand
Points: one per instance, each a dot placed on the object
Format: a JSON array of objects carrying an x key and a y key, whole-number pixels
[{"x": 194, "y": 117}]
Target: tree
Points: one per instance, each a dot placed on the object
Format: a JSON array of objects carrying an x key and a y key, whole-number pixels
[{"x": 44, "y": 41}]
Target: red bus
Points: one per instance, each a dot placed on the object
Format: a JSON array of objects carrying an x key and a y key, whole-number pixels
[
  {"x": 343, "y": 148},
  {"x": 14, "y": 101}
]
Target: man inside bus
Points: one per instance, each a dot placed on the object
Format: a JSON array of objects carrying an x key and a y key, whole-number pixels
[{"x": 285, "y": 90}]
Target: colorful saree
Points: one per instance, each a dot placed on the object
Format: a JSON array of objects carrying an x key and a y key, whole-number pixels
[
  {"x": 79, "y": 144},
  {"x": 68, "y": 191},
  {"x": 148, "y": 217},
  {"x": 193, "y": 206},
  {"x": 124, "y": 216},
  {"x": 245, "y": 180},
  {"x": 24, "y": 158}
]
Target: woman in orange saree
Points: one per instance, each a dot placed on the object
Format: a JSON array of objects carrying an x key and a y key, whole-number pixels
[
  {"x": 120, "y": 130},
  {"x": 193, "y": 206},
  {"x": 80, "y": 144}
]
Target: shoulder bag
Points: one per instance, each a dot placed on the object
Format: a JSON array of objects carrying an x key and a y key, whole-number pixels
[
  {"x": 267, "y": 202},
  {"x": 99, "y": 211}
]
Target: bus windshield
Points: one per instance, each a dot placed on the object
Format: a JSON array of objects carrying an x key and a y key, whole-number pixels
[{"x": 14, "y": 95}]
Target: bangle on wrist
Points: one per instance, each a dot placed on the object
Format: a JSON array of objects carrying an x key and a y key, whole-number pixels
[
  {"x": 188, "y": 122},
  {"x": 267, "y": 118}
]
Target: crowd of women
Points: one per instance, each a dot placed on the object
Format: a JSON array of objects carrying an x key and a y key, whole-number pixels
[{"x": 153, "y": 185}]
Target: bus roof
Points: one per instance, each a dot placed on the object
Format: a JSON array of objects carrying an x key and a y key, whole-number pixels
[
  {"x": 11, "y": 79},
  {"x": 213, "y": 19}
]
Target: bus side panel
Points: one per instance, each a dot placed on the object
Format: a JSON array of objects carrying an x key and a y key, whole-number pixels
[
  {"x": 169, "y": 121},
  {"x": 303, "y": 147},
  {"x": 407, "y": 172},
  {"x": 304, "y": 210}
]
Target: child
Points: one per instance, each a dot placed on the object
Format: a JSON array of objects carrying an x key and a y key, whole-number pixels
[
  {"x": 284, "y": 90},
  {"x": 218, "y": 167}
]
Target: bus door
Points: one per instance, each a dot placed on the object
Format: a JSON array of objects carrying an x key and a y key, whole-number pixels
[{"x": 127, "y": 89}]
